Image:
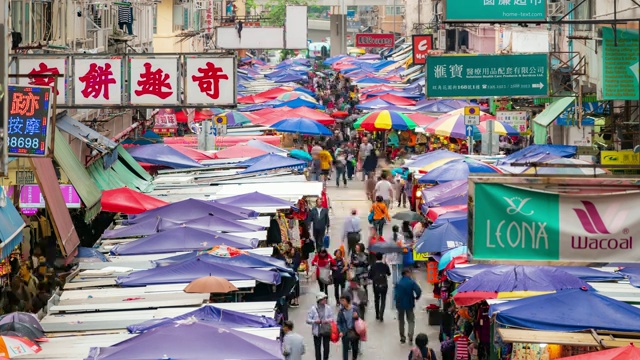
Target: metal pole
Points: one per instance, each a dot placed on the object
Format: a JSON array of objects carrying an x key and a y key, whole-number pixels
[
  {"x": 343, "y": 32},
  {"x": 4, "y": 81},
  {"x": 395, "y": 13}
]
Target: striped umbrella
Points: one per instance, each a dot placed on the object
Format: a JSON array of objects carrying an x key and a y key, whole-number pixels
[
  {"x": 295, "y": 95},
  {"x": 237, "y": 119},
  {"x": 452, "y": 125},
  {"x": 385, "y": 120},
  {"x": 499, "y": 127}
]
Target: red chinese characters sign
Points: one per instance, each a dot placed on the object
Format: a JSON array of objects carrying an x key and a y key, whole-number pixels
[
  {"x": 210, "y": 81},
  {"x": 153, "y": 81},
  {"x": 45, "y": 72},
  {"x": 375, "y": 40},
  {"x": 97, "y": 81},
  {"x": 165, "y": 119}
]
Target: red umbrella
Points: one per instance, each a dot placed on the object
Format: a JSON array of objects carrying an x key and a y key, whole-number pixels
[
  {"x": 435, "y": 212},
  {"x": 622, "y": 353},
  {"x": 127, "y": 201},
  {"x": 196, "y": 155},
  {"x": 239, "y": 151},
  {"x": 393, "y": 99},
  {"x": 181, "y": 116},
  {"x": 252, "y": 99},
  {"x": 319, "y": 116},
  {"x": 421, "y": 119},
  {"x": 272, "y": 94}
]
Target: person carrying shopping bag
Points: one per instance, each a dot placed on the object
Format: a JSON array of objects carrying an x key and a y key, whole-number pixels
[
  {"x": 320, "y": 317},
  {"x": 379, "y": 214}
]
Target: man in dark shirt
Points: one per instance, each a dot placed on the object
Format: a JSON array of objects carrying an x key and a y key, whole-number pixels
[{"x": 379, "y": 274}]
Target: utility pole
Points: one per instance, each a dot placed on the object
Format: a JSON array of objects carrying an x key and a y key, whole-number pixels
[{"x": 4, "y": 81}]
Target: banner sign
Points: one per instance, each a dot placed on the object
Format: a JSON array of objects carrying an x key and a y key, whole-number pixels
[
  {"x": 97, "y": 81},
  {"x": 31, "y": 197},
  {"x": 522, "y": 224},
  {"x": 45, "y": 66},
  {"x": 210, "y": 81},
  {"x": 153, "y": 81},
  {"x": 487, "y": 75},
  {"x": 495, "y": 10},
  {"x": 620, "y": 65},
  {"x": 517, "y": 119},
  {"x": 28, "y": 127},
  {"x": 375, "y": 40},
  {"x": 165, "y": 119},
  {"x": 422, "y": 44}
]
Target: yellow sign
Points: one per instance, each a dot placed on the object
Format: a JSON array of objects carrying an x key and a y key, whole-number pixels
[
  {"x": 420, "y": 256},
  {"x": 220, "y": 120},
  {"x": 472, "y": 110},
  {"x": 625, "y": 157}
]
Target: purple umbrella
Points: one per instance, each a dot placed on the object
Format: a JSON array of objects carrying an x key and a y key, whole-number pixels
[
  {"x": 248, "y": 260},
  {"x": 22, "y": 317},
  {"x": 191, "y": 340},
  {"x": 440, "y": 106},
  {"x": 165, "y": 155},
  {"x": 450, "y": 193},
  {"x": 190, "y": 209},
  {"x": 255, "y": 199},
  {"x": 212, "y": 223}
]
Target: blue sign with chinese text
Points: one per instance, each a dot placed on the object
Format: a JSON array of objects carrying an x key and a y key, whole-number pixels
[{"x": 28, "y": 122}]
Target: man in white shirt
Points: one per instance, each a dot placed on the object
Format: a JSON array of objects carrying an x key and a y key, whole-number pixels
[
  {"x": 292, "y": 343},
  {"x": 352, "y": 231},
  {"x": 385, "y": 189},
  {"x": 365, "y": 149}
]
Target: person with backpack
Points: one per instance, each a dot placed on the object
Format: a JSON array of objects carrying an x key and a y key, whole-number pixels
[
  {"x": 421, "y": 351},
  {"x": 379, "y": 274},
  {"x": 346, "y": 320},
  {"x": 320, "y": 317},
  {"x": 358, "y": 297}
]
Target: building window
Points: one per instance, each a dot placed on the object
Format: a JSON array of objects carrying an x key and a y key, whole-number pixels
[
  {"x": 583, "y": 12},
  {"x": 389, "y": 10}
]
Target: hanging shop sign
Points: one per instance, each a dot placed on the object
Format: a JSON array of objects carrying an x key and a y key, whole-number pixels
[
  {"x": 620, "y": 65},
  {"x": 210, "y": 81},
  {"x": 487, "y": 75},
  {"x": 165, "y": 121},
  {"x": 37, "y": 68},
  {"x": 153, "y": 81},
  {"x": 31, "y": 197},
  {"x": 422, "y": 44},
  {"x": 97, "y": 81},
  {"x": 24, "y": 177},
  {"x": 28, "y": 127},
  {"x": 517, "y": 119},
  {"x": 375, "y": 40},
  {"x": 495, "y": 10},
  {"x": 517, "y": 223}
]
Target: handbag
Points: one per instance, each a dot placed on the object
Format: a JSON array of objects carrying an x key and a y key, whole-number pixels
[
  {"x": 370, "y": 218},
  {"x": 325, "y": 275},
  {"x": 326, "y": 241},
  {"x": 325, "y": 329}
]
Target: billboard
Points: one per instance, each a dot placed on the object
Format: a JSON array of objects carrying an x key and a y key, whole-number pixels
[
  {"x": 154, "y": 81},
  {"x": 495, "y": 10},
  {"x": 535, "y": 223},
  {"x": 296, "y": 28},
  {"x": 422, "y": 44},
  {"x": 28, "y": 127},
  {"x": 210, "y": 81},
  {"x": 620, "y": 64},
  {"x": 375, "y": 40},
  {"x": 487, "y": 75}
]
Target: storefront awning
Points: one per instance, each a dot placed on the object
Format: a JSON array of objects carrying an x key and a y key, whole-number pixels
[
  {"x": 122, "y": 173},
  {"x": 77, "y": 174},
  {"x": 85, "y": 134},
  {"x": 11, "y": 225},
  {"x": 65, "y": 230},
  {"x": 594, "y": 338},
  {"x": 545, "y": 118}
]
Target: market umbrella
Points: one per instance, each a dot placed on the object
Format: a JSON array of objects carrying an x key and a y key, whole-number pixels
[
  {"x": 385, "y": 120},
  {"x": 300, "y": 155},
  {"x": 295, "y": 95},
  {"x": 195, "y": 154},
  {"x": 438, "y": 163},
  {"x": 319, "y": 116},
  {"x": 629, "y": 352},
  {"x": 440, "y": 106},
  {"x": 190, "y": 209},
  {"x": 239, "y": 151},
  {"x": 237, "y": 118},
  {"x": 436, "y": 212},
  {"x": 205, "y": 114},
  {"x": 86, "y": 254},
  {"x": 454, "y": 256},
  {"x": 589, "y": 171},
  {"x": 229, "y": 256},
  {"x": 386, "y": 247},
  {"x": 457, "y": 170},
  {"x": 408, "y": 216},
  {"x": 191, "y": 340},
  {"x": 430, "y": 157},
  {"x": 499, "y": 127},
  {"x": 128, "y": 201},
  {"x": 210, "y": 284},
  {"x": 273, "y": 93},
  {"x": 26, "y": 330},
  {"x": 255, "y": 199},
  {"x": 392, "y": 99},
  {"x": 22, "y": 317},
  {"x": 252, "y": 99},
  {"x": 439, "y": 238},
  {"x": 451, "y": 124},
  {"x": 515, "y": 281},
  {"x": 301, "y": 126},
  {"x": 422, "y": 119},
  {"x": 13, "y": 346},
  {"x": 162, "y": 154},
  {"x": 461, "y": 274},
  {"x": 450, "y": 193}
]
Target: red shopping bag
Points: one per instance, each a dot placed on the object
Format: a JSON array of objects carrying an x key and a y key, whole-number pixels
[{"x": 335, "y": 334}]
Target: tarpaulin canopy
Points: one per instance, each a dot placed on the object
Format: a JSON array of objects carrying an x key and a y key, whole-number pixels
[
  {"x": 255, "y": 199},
  {"x": 247, "y": 259},
  {"x": 162, "y": 154},
  {"x": 441, "y": 237},
  {"x": 194, "y": 154},
  {"x": 539, "y": 153},
  {"x": 301, "y": 126},
  {"x": 585, "y": 273},
  {"x": 296, "y": 103},
  {"x": 272, "y": 162},
  {"x": 86, "y": 254},
  {"x": 190, "y": 209},
  {"x": 239, "y": 151},
  {"x": 428, "y": 158},
  {"x": 457, "y": 170},
  {"x": 268, "y": 148},
  {"x": 209, "y": 314},
  {"x": 450, "y": 193},
  {"x": 127, "y": 201},
  {"x": 179, "y": 239},
  {"x": 189, "y": 270},
  {"x": 191, "y": 340},
  {"x": 633, "y": 273},
  {"x": 568, "y": 310},
  {"x": 630, "y": 352}
]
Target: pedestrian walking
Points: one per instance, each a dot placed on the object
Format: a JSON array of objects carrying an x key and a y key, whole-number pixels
[
  {"x": 407, "y": 291},
  {"x": 421, "y": 351},
  {"x": 339, "y": 274},
  {"x": 379, "y": 275},
  {"x": 394, "y": 260},
  {"x": 352, "y": 231},
  {"x": 358, "y": 297},
  {"x": 346, "y": 320},
  {"x": 325, "y": 164},
  {"x": 384, "y": 189},
  {"x": 360, "y": 265},
  {"x": 380, "y": 214},
  {"x": 319, "y": 218},
  {"x": 320, "y": 317},
  {"x": 340, "y": 165},
  {"x": 370, "y": 188},
  {"x": 364, "y": 151},
  {"x": 370, "y": 163},
  {"x": 292, "y": 343},
  {"x": 401, "y": 196},
  {"x": 323, "y": 262}
]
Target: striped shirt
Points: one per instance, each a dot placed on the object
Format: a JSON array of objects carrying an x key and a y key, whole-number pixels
[{"x": 125, "y": 14}]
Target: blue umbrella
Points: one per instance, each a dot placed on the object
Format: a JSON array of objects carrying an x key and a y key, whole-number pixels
[
  {"x": 440, "y": 238},
  {"x": 301, "y": 126},
  {"x": 457, "y": 170},
  {"x": 450, "y": 255},
  {"x": 300, "y": 155}
]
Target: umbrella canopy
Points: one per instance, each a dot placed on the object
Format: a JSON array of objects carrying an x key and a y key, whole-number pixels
[
  {"x": 256, "y": 199},
  {"x": 539, "y": 153},
  {"x": 392, "y": 99},
  {"x": 408, "y": 216},
  {"x": 194, "y": 154},
  {"x": 301, "y": 126},
  {"x": 312, "y": 114},
  {"x": 385, "y": 120},
  {"x": 128, "y": 201},
  {"x": 300, "y": 102},
  {"x": 239, "y": 151},
  {"x": 228, "y": 255},
  {"x": 509, "y": 281},
  {"x": 85, "y": 254},
  {"x": 179, "y": 239},
  {"x": 189, "y": 270},
  {"x": 268, "y": 148},
  {"x": 210, "y": 222},
  {"x": 422, "y": 119},
  {"x": 568, "y": 310},
  {"x": 295, "y": 95},
  {"x": 454, "y": 256},
  {"x": 583, "y": 171},
  {"x": 462, "y": 274},
  {"x": 191, "y": 340},
  {"x": 440, "y": 106},
  {"x": 205, "y": 114},
  {"x": 499, "y": 127},
  {"x": 27, "y": 330},
  {"x": 442, "y": 237},
  {"x": 451, "y": 124},
  {"x": 273, "y": 93},
  {"x": 272, "y": 162},
  {"x": 23, "y": 318},
  {"x": 435, "y": 212},
  {"x": 210, "y": 284},
  {"x": 190, "y": 209},
  {"x": 237, "y": 118},
  {"x": 211, "y": 314},
  {"x": 300, "y": 155},
  {"x": 622, "y": 353},
  {"x": 450, "y": 193},
  {"x": 252, "y": 99},
  {"x": 457, "y": 170},
  {"x": 13, "y": 346},
  {"x": 427, "y": 159},
  {"x": 161, "y": 154}
]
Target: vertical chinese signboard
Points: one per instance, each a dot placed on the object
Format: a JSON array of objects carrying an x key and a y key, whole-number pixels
[
  {"x": 38, "y": 68},
  {"x": 210, "y": 81},
  {"x": 28, "y": 127},
  {"x": 153, "y": 81},
  {"x": 495, "y": 10},
  {"x": 97, "y": 81},
  {"x": 620, "y": 65}
]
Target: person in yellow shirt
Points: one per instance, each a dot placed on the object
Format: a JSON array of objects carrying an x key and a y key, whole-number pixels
[{"x": 325, "y": 163}]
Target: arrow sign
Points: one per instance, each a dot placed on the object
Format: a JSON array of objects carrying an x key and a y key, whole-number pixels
[
  {"x": 469, "y": 131},
  {"x": 537, "y": 86}
]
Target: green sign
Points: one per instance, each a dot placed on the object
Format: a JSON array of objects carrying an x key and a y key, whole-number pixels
[
  {"x": 487, "y": 75},
  {"x": 496, "y": 10},
  {"x": 620, "y": 65}
]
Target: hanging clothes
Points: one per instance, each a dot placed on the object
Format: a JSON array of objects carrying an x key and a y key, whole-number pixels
[
  {"x": 125, "y": 17},
  {"x": 274, "y": 236}
]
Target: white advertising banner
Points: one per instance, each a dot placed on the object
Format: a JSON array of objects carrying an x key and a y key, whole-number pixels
[
  {"x": 153, "y": 81},
  {"x": 210, "y": 81},
  {"x": 45, "y": 66},
  {"x": 517, "y": 119},
  {"x": 97, "y": 81}
]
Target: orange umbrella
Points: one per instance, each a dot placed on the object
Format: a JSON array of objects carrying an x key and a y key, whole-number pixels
[
  {"x": 210, "y": 284},
  {"x": 127, "y": 201},
  {"x": 623, "y": 353}
]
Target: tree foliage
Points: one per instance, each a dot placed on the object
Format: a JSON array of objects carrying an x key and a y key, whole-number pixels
[{"x": 276, "y": 10}]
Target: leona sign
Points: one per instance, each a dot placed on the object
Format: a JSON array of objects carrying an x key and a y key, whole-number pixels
[
  {"x": 375, "y": 40},
  {"x": 495, "y": 10},
  {"x": 517, "y": 223},
  {"x": 487, "y": 75}
]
